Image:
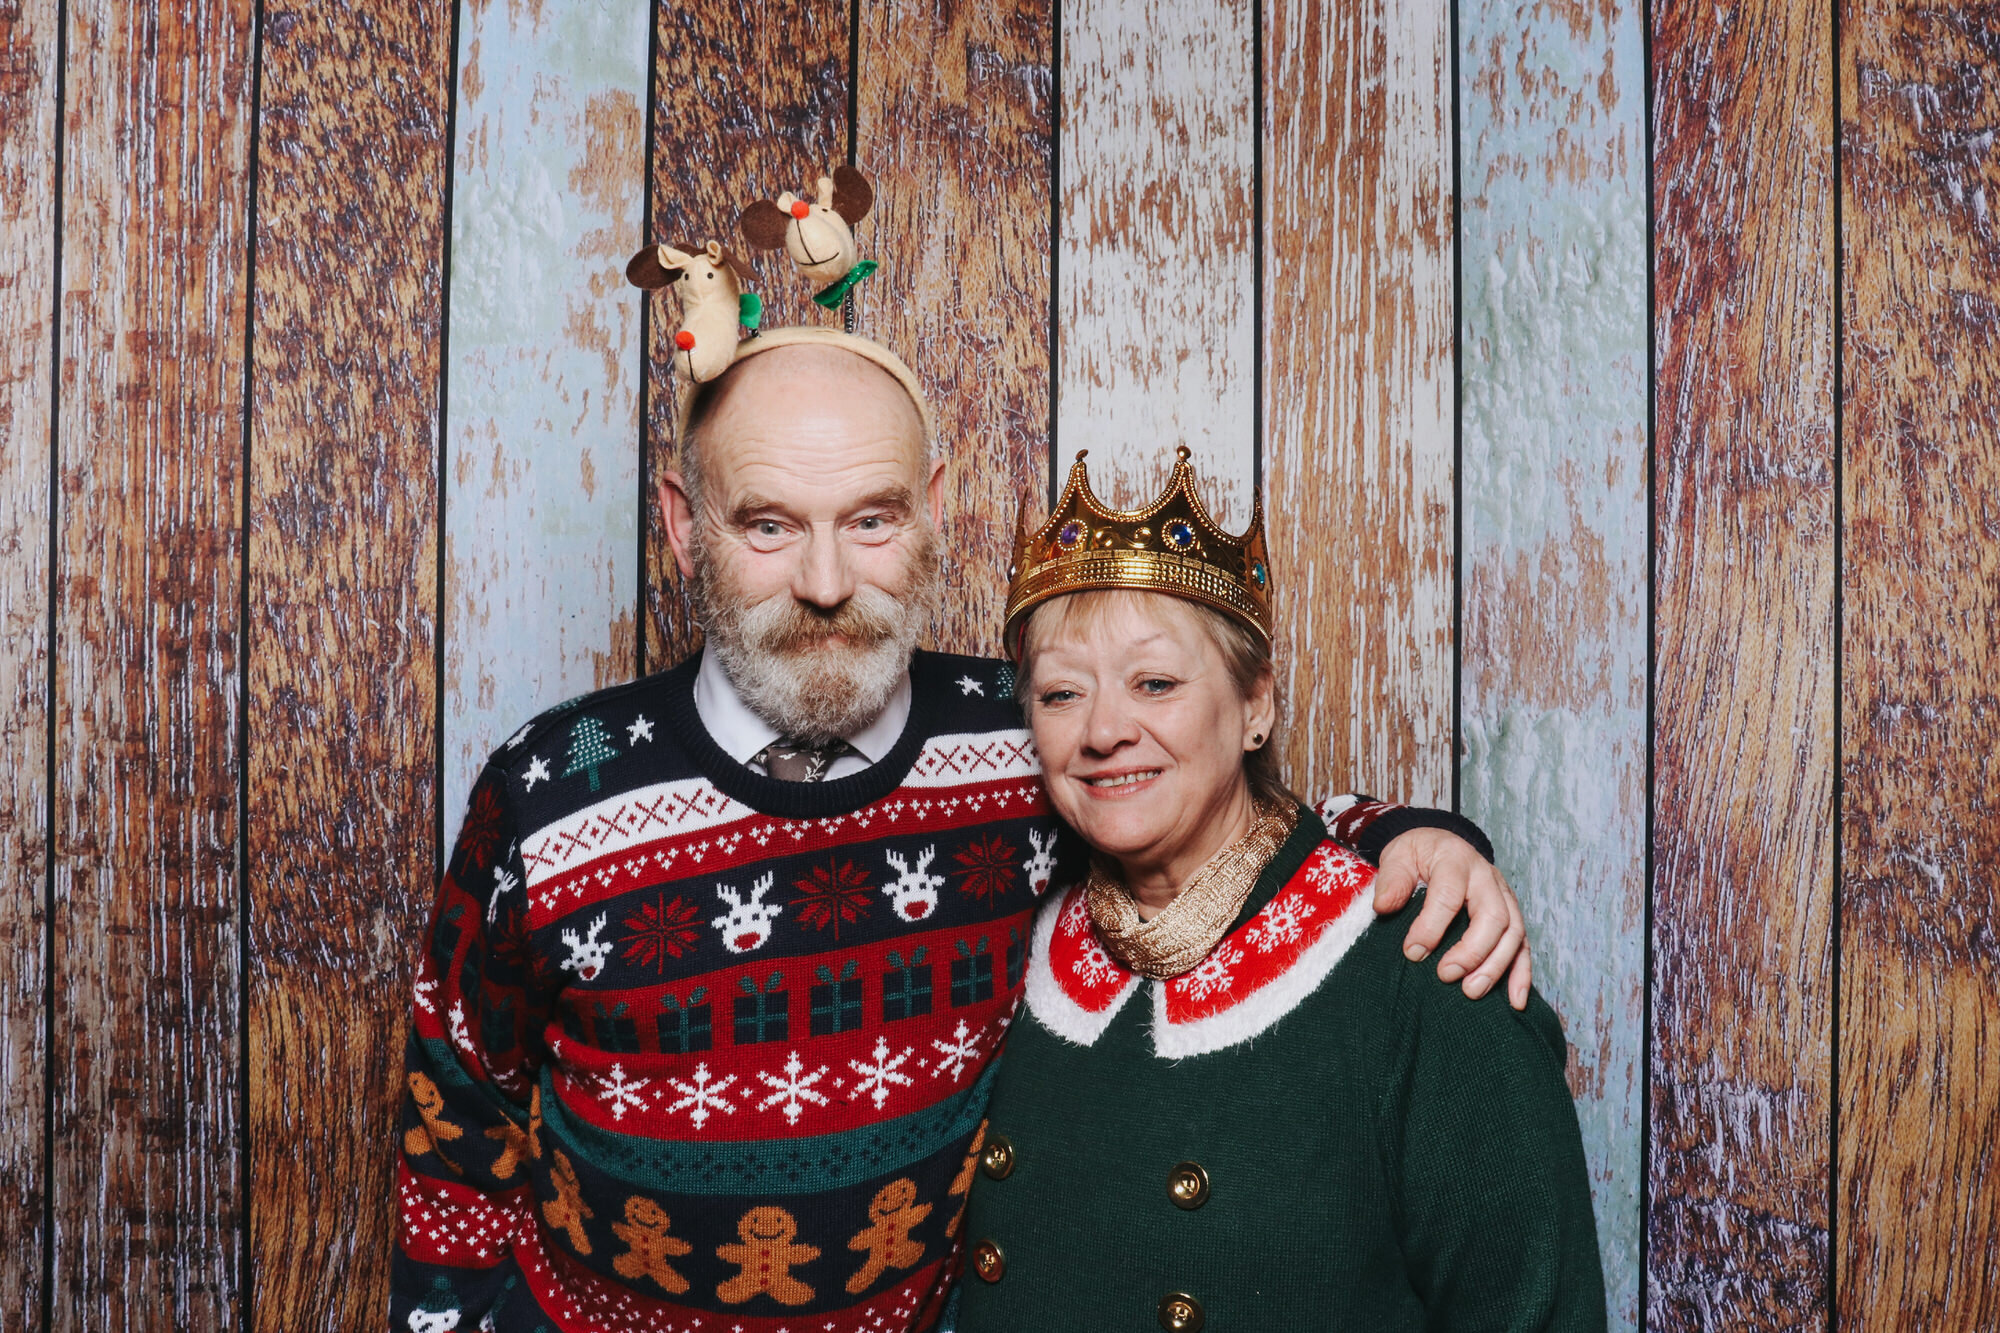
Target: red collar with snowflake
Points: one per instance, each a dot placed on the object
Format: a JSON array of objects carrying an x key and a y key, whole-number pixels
[{"x": 1254, "y": 976}]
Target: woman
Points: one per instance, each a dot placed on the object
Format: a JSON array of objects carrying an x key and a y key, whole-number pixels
[{"x": 1230, "y": 1102}]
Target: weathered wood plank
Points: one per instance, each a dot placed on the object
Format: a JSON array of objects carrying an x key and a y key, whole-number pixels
[
  {"x": 541, "y": 549},
  {"x": 342, "y": 708},
  {"x": 1919, "y": 1154},
  {"x": 147, "y": 1078},
  {"x": 1157, "y": 340},
  {"x": 1358, "y": 389},
  {"x": 1743, "y": 685},
  {"x": 29, "y": 79},
  {"x": 750, "y": 100},
  {"x": 1553, "y": 420},
  {"x": 955, "y": 125}
]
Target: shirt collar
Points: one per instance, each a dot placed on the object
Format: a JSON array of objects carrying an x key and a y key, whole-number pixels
[{"x": 742, "y": 734}]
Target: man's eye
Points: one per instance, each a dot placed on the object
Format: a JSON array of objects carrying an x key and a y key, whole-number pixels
[
  {"x": 873, "y": 523},
  {"x": 770, "y": 528}
]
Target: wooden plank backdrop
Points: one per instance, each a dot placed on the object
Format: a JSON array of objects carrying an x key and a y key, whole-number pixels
[
  {"x": 1552, "y": 318},
  {"x": 147, "y": 1078},
  {"x": 1918, "y": 1202},
  {"x": 342, "y": 602},
  {"x": 30, "y": 71},
  {"x": 1743, "y": 581},
  {"x": 343, "y": 439}
]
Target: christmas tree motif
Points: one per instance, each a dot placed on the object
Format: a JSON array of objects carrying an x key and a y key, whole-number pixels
[{"x": 589, "y": 748}]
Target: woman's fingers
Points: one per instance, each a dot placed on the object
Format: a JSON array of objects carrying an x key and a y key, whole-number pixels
[
  {"x": 1395, "y": 881},
  {"x": 1500, "y": 959},
  {"x": 1443, "y": 896},
  {"x": 1521, "y": 978},
  {"x": 1494, "y": 936}
]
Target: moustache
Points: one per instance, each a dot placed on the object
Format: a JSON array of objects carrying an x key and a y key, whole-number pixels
[{"x": 788, "y": 627}]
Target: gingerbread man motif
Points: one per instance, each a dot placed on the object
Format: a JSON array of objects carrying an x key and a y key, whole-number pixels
[
  {"x": 766, "y": 1257},
  {"x": 886, "y": 1238},
  {"x": 567, "y": 1210},
  {"x": 644, "y": 1230},
  {"x": 513, "y": 1142},
  {"x": 963, "y": 1182},
  {"x": 436, "y": 1131}
]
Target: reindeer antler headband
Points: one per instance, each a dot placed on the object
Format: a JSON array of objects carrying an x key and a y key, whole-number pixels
[{"x": 721, "y": 322}]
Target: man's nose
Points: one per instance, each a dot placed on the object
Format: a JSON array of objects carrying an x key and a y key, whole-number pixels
[{"x": 823, "y": 578}]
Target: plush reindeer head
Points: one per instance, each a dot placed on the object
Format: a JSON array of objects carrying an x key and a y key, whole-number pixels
[
  {"x": 709, "y": 281},
  {"x": 818, "y": 233}
]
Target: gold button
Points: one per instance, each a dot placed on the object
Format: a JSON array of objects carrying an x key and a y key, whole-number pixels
[
  {"x": 1187, "y": 1186},
  {"x": 1180, "y": 1313},
  {"x": 989, "y": 1263},
  {"x": 998, "y": 1159}
]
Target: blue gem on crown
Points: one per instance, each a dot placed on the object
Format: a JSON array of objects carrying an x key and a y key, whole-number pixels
[
  {"x": 1257, "y": 572},
  {"x": 1180, "y": 535},
  {"x": 1071, "y": 534}
]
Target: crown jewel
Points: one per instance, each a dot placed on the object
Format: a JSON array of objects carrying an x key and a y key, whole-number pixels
[{"x": 1170, "y": 546}]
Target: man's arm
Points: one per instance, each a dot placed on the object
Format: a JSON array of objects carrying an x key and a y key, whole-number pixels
[
  {"x": 1411, "y": 846},
  {"x": 467, "y": 1132}
]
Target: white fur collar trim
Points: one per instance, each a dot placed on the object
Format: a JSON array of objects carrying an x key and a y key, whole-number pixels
[{"x": 1253, "y": 977}]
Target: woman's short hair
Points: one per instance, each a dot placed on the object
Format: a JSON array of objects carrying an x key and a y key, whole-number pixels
[{"x": 1245, "y": 655}]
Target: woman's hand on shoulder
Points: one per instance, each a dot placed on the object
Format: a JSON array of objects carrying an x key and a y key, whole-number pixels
[{"x": 1495, "y": 944}]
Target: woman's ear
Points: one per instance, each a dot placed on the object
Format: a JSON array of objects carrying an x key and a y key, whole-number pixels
[{"x": 1260, "y": 718}]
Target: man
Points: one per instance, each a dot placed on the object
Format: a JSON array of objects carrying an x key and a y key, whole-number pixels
[{"x": 706, "y": 1020}]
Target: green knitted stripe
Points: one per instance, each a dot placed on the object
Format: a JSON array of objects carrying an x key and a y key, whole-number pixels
[{"x": 771, "y": 1166}]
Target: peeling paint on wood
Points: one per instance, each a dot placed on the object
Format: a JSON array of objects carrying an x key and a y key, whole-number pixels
[
  {"x": 1743, "y": 686},
  {"x": 955, "y": 122},
  {"x": 28, "y": 86},
  {"x": 147, "y": 1080},
  {"x": 1553, "y": 672},
  {"x": 1358, "y": 389},
  {"x": 1919, "y": 1194},
  {"x": 541, "y": 551},
  {"x": 751, "y": 101},
  {"x": 344, "y": 532},
  {"x": 1157, "y": 339}
]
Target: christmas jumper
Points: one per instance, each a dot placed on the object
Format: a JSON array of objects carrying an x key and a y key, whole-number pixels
[
  {"x": 696, "y": 1049},
  {"x": 1305, "y": 1131}
]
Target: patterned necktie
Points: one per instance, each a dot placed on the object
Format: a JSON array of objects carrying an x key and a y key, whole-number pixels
[{"x": 796, "y": 761}]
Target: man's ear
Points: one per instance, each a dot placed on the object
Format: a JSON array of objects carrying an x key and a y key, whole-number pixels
[
  {"x": 677, "y": 515},
  {"x": 934, "y": 492}
]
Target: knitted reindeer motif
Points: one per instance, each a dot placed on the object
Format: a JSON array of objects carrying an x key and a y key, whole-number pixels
[
  {"x": 1042, "y": 864},
  {"x": 913, "y": 892},
  {"x": 818, "y": 233},
  {"x": 714, "y": 306},
  {"x": 747, "y": 926},
  {"x": 587, "y": 956}
]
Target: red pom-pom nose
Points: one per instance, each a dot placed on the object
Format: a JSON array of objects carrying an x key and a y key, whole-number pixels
[
  {"x": 801, "y": 209},
  {"x": 684, "y": 340}
]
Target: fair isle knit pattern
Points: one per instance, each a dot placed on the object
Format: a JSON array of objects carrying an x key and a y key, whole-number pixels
[{"x": 699, "y": 1051}]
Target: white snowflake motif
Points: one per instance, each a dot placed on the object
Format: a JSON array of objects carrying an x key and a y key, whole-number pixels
[
  {"x": 1075, "y": 918},
  {"x": 618, "y": 1093},
  {"x": 960, "y": 1051},
  {"x": 1095, "y": 967},
  {"x": 423, "y": 994},
  {"x": 1331, "y": 871},
  {"x": 459, "y": 1036},
  {"x": 537, "y": 771},
  {"x": 1211, "y": 974},
  {"x": 1281, "y": 922},
  {"x": 794, "y": 1090},
  {"x": 877, "y": 1077},
  {"x": 503, "y": 882},
  {"x": 702, "y": 1097},
  {"x": 641, "y": 729}
]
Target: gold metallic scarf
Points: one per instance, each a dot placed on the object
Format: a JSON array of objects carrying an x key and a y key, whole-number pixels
[{"x": 1182, "y": 935}]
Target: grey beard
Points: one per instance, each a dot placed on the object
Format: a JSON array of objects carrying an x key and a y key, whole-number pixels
[{"x": 775, "y": 655}]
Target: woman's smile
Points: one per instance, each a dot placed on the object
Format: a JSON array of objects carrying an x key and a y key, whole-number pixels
[{"x": 1120, "y": 783}]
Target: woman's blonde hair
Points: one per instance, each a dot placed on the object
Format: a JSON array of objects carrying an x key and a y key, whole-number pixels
[{"x": 1245, "y": 655}]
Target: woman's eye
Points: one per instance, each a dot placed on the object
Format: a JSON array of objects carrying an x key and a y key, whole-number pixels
[
  {"x": 1050, "y": 698},
  {"x": 1156, "y": 685}
]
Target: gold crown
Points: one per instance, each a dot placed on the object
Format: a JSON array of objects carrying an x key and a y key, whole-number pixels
[{"x": 1170, "y": 546}]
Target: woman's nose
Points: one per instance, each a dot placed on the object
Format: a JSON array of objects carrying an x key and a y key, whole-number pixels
[{"x": 1109, "y": 726}]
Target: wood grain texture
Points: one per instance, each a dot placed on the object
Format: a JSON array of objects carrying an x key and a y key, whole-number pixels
[
  {"x": 1157, "y": 342},
  {"x": 29, "y": 78},
  {"x": 750, "y": 101},
  {"x": 147, "y": 1080},
  {"x": 1553, "y": 667},
  {"x": 541, "y": 549},
  {"x": 955, "y": 124},
  {"x": 343, "y": 622},
  {"x": 1743, "y": 739},
  {"x": 1358, "y": 389},
  {"x": 1919, "y": 1196}
]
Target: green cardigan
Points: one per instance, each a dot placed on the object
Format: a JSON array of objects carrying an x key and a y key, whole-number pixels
[{"x": 1380, "y": 1152}]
